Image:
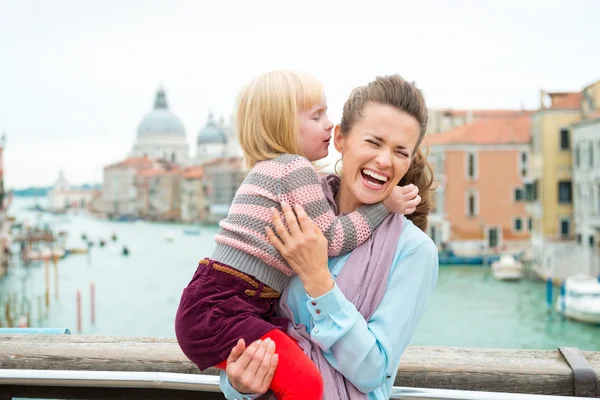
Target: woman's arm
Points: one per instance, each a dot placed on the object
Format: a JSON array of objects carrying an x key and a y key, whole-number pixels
[
  {"x": 365, "y": 352},
  {"x": 368, "y": 352}
]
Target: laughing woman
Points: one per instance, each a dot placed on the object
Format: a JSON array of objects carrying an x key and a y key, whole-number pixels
[{"x": 354, "y": 315}]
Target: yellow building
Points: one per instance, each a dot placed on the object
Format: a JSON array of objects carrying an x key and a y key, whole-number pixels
[{"x": 549, "y": 191}]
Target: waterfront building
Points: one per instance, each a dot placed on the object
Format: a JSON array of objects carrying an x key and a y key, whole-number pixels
[
  {"x": 479, "y": 169},
  {"x": 217, "y": 140},
  {"x": 222, "y": 178},
  {"x": 194, "y": 204},
  {"x": 119, "y": 190},
  {"x": 586, "y": 182},
  {"x": 158, "y": 192},
  {"x": 63, "y": 196},
  {"x": 161, "y": 134},
  {"x": 549, "y": 189},
  {"x": 442, "y": 120}
]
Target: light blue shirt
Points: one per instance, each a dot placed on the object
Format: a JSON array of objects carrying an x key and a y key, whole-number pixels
[{"x": 367, "y": 353}]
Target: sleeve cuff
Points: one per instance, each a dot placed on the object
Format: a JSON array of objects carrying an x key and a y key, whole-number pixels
[
  {"x": 325, "y": 305},
  {"x": 230, "y": 393},
  {"x": 374, "y": 214}
]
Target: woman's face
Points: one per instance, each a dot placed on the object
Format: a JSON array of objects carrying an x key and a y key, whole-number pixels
[{"x": 376, "y": 153}]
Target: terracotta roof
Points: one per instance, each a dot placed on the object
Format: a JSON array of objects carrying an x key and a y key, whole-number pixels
[
  {"x": 515, "y": 130},
  {"x": 227, "y": 161},
  {"x": 487, "y": 113},
  {"x": 195, "y": 172},
  {"x": 132, "y": 162},
  {"x": 152, "y": 172},
  {"x": 568, "y": 100}
]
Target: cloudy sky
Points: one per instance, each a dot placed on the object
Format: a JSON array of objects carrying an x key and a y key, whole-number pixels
[{"x": 77, "y": 76}]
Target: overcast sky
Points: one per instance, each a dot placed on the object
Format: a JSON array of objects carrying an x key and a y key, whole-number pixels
[{"x": 76, "y": 77}]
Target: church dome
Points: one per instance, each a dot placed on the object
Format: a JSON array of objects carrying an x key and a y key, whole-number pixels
[
  {"x": 160, "y": 121},
  {"x": 211, "y": 133}
]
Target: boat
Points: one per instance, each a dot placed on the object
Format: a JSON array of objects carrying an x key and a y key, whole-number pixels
[
  {"x": 448, "y": 257},
  {"x": 192, "y": 231},
  {"x": 580, "y": 299},
  {"x": 507, "y": 268},
  {"x": 169, "y": 236}
]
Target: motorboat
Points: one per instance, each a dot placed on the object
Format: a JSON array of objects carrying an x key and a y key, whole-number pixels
[
  {"x": 507, "y": 268},
  {"x": 580, "y": 299}
]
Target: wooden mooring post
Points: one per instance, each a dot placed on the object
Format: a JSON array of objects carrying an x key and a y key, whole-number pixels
[{"x": 542, "y": 372}]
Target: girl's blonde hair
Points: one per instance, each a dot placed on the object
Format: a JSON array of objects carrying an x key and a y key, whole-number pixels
[{"x": 267, "y": 113}]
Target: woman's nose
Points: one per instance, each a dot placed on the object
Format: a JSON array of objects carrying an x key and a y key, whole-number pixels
[
  {"x": 384, "y": 159},
  {"x": 328, "y": 125}
]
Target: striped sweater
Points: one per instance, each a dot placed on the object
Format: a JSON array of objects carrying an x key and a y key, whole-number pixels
[{"x": 242, "y": 242}]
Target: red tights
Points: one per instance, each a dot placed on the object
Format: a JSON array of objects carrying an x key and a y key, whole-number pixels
[{"x": 296, "y": 376}]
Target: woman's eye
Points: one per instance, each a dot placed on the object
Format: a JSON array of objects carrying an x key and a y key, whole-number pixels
[{"x": 373, "y": 142}]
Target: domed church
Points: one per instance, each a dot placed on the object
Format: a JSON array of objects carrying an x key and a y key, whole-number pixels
[
  {"x": 216, "y": 140},
  {"x": 161, "y": 134}
]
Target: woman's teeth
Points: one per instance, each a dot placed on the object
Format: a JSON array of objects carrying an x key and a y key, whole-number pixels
[
  {"x": 372, "y": 174},
  {"x": 374, "y": 179}
]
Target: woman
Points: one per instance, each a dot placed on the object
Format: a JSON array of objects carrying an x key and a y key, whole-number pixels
[{"x": 354, "y": 315}]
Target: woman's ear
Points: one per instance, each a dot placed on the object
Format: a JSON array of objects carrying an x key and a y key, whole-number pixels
[{"x": 338, "y": 139}]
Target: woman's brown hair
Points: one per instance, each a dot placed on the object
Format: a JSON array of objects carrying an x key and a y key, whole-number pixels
[{"x": 394, "y": 91}]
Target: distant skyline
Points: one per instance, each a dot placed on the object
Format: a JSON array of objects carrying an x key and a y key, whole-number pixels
[{"x": 76, "y": 78}]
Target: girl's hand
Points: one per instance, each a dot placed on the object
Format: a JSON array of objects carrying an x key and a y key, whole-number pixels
[
  {"x": 403, "y": 199},
  {"x": 304, "y": 247},
  {"x": 250, "y": 370}
]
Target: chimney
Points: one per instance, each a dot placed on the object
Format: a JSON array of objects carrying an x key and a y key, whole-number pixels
[{"x": 542, "y": 95}]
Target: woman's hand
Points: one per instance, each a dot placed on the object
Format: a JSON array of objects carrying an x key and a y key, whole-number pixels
[
  {"x": 251, "y": 370},
  {"x": 304, "y": 247}
]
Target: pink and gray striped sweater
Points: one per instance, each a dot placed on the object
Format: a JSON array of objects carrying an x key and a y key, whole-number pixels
[{"x": 242, "y": 242}]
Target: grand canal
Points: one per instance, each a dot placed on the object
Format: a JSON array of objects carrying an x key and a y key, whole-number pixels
[{"x": 137, "y": 295}]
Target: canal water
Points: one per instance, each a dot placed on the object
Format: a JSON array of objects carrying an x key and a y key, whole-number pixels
[{"x": 137, "y": 295}]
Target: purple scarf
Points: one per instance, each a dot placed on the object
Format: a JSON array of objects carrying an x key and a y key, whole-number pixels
[{"x": 363, "y": 280}]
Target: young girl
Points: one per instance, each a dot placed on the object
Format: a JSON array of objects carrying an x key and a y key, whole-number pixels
[{"x": 282, "y": 126}]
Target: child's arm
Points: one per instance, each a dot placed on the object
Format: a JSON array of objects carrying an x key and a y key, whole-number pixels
[{"x": 300, "y": 184}]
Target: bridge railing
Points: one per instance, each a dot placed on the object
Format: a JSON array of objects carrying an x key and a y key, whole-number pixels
[{"x": 106, "y": 367}]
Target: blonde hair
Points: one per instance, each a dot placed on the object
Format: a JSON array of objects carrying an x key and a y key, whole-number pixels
[{"x": 267, "y": 113}]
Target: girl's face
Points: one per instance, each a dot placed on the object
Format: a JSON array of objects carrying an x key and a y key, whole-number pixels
[
  {"x": 376, "y": 153},
  {"x": 315, "y": 131}
]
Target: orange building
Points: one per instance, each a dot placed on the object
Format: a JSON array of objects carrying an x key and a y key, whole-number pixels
[{"x": 480, "y": 169}]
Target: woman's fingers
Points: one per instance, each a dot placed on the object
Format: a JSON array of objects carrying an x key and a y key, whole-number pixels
[
  {"x": 270, "y": 372},
  {"x": 265, "y": 367},
  {"x": 280, "y": 227},
  {"x": 278, "y": 244},
  {"x": 306, "y": 224},
  {"x": 290, "y": 218},
  {"x": 253, "y": 367}
]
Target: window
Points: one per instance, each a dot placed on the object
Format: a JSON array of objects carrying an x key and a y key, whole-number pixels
[
  {"x": 565, "y": 228},
  {"x": 471, "y": 166},
  {"x": 531, "y": 191},
  {"x": 564, "y": 192},
  {"x": 591, "y": 241},
  {"x": 519, "y": 194},
  {"x": 524, "y": 164},
  {"x": 472, "y": 206},
  {"x": 577, "y": 155},
  {"x": 518, "y": 225},
  {"x": 591, "y": 157},
  {"x": 529, "y": 224},
  {"x": 564, "y": 139}
]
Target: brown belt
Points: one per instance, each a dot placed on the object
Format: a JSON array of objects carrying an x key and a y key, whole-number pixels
[{"x": 266, "y": 292}]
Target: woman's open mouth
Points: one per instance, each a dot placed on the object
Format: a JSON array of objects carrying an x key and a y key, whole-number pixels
[{"x": 372, "y": 179}]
